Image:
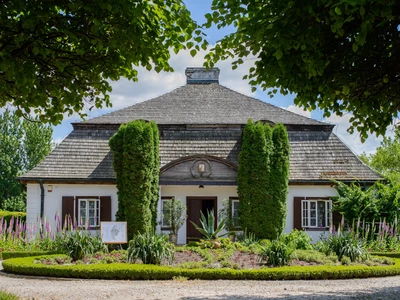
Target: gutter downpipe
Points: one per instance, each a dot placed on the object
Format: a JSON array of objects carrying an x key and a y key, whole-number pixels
[{"x": 41, "y": 198}]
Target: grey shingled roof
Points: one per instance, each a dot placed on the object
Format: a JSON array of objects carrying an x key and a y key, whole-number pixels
[
  {"x": 203, "y": 104},
  {"x": 316, "y": 156}
]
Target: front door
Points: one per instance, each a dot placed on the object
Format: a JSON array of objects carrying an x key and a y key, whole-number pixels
[{"x": 195, "y": 205}]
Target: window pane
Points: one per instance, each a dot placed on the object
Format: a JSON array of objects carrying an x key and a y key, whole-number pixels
[
  {"x": 321, "y": 214},
  {"x": 305, "y": 214},
  {"x": 82, "y": 212},
  {"x": 164, "y": 222},
  {"x": 313, "y": 214},
  {"x": 235, "y": 212}
]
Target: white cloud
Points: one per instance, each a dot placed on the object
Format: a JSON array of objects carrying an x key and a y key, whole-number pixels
[
  {"x": 354, "y": 140},
  {"x": 298, "y": 110}
]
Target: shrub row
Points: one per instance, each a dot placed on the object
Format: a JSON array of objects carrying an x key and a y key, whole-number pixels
[
  {"x": 7, "y": 215},
  {"x": 26, "y": 266},
  {"x": 387, "y": 254},
  {"x": 16, "y": 254}
]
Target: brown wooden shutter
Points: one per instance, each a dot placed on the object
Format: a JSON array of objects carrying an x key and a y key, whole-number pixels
[
  {"x": 105, "y": 208},
  {"x": 297, "y": 212},
  {"x": 67, "y": 208}
]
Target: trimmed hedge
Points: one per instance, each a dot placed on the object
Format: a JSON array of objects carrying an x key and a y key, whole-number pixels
[
  {"x": 7, "y": 215},
  {"x": 387, "y": 254},
  {"x": 16, "y": 254},
  {"x": 26, "y": 266}
]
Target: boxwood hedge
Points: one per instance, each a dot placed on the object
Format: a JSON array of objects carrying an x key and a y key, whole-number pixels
[
  {"x": 26, "y": 266},
  {"x": 15, "y": 254}
]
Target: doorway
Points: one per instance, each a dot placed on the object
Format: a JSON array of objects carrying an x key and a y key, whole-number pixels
[{"x": 195, "y": 205}]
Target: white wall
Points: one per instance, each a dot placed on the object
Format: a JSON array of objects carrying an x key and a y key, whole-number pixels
[
  {"x": 181, "y": 192},
  {"x": 306, "y": 191},
  {"x": 53, "y": 200}
]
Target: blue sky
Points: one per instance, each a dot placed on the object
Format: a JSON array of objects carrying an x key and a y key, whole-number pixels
[{"x": 152, "y": 84}]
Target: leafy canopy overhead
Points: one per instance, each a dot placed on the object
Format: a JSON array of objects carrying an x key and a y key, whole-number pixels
[
  {"x": 342, "y": 56},
  {"x": 58, "y": 56}
]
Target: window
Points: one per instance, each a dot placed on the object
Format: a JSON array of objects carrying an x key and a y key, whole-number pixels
[
  {"x": 164, "y": 222},
  {"x": 89, "y": 213},
  {"x": 316, "y": 213},
  {"x": 235, "y": 212}
]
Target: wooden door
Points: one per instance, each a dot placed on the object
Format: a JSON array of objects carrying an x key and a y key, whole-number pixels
[{"x": 195, "y": 205}]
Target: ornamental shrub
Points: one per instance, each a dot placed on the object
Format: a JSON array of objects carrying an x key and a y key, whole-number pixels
[
  {"x": 263, "y": 179},
  {"x": 136, "y": 164},
  {"x": 277, "y": 253},
  {"x": 80, "y": 243},
  {"x": 150, "y": 248},
  {"x": 253, "y": 176},
  {"x": 345, "y": 245}
]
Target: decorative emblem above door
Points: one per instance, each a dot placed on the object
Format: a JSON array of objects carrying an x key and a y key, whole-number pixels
[{"x": 201, "y": 168}]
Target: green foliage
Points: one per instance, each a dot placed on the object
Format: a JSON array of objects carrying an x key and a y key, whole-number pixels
[
  {"x": 26, "y": 266},
  {"x": 175, "y": 214},
  {"x": 8, "y": 296},
  {"x": 232, "y": 222},
  {"x": 386, "y": 159},
  {"x": 15, "y": 203},
  {"x": 208, "y": 229},
  {"x": 23, "y": 145},
  {"x": 150, "y": 248},
  {"x": 15, "y": 254},
  {"x": 155, "y": 189},
  {"x": 278, "y": 184},
  {"x": 253, "y": 176},
  {"x": 263, "y": 179},
  {"x": 315, "y": 256},
  {"x": 135, "y": 163},
  {"x": 247, "y": 238},
  {"x": 81, "y": 243},
  {"x": 345, "y": 245},
  {"x": 277, "y": 253},
  {"x": 7, "y": 216},
  {"x": 59, "y": 58},
  {"x": 377, "y": 202},
  {"x": 299, "y": 240},
  {"x": 302, "y": 48}
]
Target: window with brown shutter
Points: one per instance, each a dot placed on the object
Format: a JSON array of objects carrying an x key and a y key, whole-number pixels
[
  {"x": 313, "y": 213},
  {"x": 89, "y": 210}
]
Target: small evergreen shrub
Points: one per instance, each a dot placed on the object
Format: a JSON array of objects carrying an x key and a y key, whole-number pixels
[
  {"x": 345, "y": 244},
  {"x": 150, "y": 248},
  {"x": 80, "y": 243},
  {"x": 278, "y": 253},
  {"x": 299, "y": 240}
]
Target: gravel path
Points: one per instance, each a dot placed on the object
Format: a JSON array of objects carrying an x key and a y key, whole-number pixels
[{"x": 33, "y": 288}]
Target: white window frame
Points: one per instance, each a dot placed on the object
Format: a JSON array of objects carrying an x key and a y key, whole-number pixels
[
  {"x": 97, "y": 211},
  {"x": 232, "y": 210},
  {"x": 306, "y": 213}
]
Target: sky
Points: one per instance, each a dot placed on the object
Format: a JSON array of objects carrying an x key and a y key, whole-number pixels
[{"x": 152, "y": 84}]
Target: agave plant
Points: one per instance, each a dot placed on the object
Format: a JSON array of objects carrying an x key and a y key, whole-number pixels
[{"x": 207, "y": 226}]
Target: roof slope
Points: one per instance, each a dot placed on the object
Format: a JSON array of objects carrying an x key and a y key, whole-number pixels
[
  {"x": 315, "y": 155},
  {"x": 203, "y": 104}
]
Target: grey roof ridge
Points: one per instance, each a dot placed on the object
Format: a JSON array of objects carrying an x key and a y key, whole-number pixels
[
  {"x": 356, "y": 155},
  {"x": 223, "y": 86},
  {"x": 277, "y": 107},
  {"x": 126, "y": 107}
]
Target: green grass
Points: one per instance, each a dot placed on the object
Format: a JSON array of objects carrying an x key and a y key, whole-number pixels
[{"x": 7, "y": 296}]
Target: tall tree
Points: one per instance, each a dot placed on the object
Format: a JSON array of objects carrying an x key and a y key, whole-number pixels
[
  {"x": 133, "y": 148},
  {"x": 278, "y": 184},
  {"x": 386, "y": 159},
  {"x": 342, "y": 56},
  {"x": 55, "y": 56},
  {"x": 23, "y": 145}
]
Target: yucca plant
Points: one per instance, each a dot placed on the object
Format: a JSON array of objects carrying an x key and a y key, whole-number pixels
[
  {"x": 150, "y": 248},
  {"x": 207, "y": 228}
]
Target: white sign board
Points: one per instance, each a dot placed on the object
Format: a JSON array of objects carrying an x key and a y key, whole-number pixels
[{"x": 113, "y": 232}]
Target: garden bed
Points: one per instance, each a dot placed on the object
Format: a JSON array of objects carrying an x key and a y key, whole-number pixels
[{"x": 29, "y": 266}]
